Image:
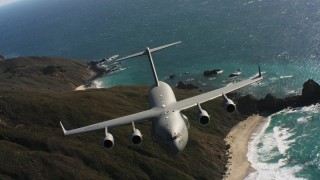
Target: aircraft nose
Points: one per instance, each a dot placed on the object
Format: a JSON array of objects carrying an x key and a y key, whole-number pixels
[
  {"x": 176, "y": 141},
  {"x": 176, "y": 146},
  {"x": 174, "y": 149}
]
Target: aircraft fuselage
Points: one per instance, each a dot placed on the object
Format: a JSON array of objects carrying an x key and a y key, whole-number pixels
[{"x": 170, "y": 129}]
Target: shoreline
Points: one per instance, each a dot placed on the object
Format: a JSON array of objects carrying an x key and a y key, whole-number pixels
[
  {"x": 238, "y": 166},
  {"x": 93, "y": 83}
]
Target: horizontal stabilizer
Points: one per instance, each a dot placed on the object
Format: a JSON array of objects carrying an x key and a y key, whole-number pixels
[
  {"x": 133, "y": 55},
  {"x": 151, "y": 50},
  {"x": 164, "y": 46}
]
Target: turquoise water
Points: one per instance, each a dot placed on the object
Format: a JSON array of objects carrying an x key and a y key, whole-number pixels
[
  {"x": 288, "y": 147},
  {"x": 280, "y": 35}
]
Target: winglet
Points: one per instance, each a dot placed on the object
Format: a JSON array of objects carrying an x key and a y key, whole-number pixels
[
  {"x": 259, "y": 71},
  {"x": 63, "y": 129}
]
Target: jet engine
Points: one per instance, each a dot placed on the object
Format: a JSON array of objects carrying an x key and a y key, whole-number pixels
[
  {"x": 108, "y": 141},
  {"x": 136, "y": 137},
  {"x": 229, "y": 105},
  {"x": 203, "y": 117}
]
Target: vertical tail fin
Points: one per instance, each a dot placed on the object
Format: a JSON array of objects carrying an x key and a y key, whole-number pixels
[{"x": 154, "y": 72}]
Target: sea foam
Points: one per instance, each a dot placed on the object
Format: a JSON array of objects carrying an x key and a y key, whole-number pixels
[
  {"x": 286, "y": 77},
  {"x": 285, "y": 147},
  {"x": 267, "y": 153},
  {"x": 304, "y": 119},
  {"x": 281, "y": 136},
  {"x": 98, "y": 83}
]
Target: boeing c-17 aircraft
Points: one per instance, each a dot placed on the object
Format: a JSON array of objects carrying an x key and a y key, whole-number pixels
[{"x": 170, "y": 126}]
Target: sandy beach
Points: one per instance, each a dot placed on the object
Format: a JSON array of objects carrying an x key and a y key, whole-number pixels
[
  {"x": 96, "y": 84},
  {"x": 238, "y": 138},
  {"x": 80, "y": 88}
]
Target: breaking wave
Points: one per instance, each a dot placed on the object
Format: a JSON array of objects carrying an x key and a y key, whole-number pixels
[{"x": 287, "y": 146}]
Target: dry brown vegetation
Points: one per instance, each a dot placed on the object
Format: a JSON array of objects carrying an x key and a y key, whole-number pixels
[
  {"x": 32, "y": 145},
  {"x": 45, "y": 74}
]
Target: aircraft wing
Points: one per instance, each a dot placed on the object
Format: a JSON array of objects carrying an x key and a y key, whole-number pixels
[
  {"x": 138, "y": 117},
  {"x": 193, "y": 101}
]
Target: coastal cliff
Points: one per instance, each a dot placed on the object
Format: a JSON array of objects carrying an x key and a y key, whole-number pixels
[{"x": 271, "y": 104}]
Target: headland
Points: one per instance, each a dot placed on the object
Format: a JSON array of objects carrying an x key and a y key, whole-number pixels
[{"x": 37, "y": 92}]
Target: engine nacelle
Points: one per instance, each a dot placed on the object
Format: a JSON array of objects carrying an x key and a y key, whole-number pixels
[
  {"x": 108, "y": 141},
  {"x": 136, "y": 137},
  {"x": 203, "y": 118},
  {"x": 229, "y": 106}
]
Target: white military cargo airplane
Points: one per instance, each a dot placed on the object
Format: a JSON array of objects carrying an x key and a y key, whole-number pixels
[{"x": 170, "y": 126}]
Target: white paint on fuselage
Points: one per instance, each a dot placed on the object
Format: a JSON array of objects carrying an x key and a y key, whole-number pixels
[{"x": 169, "y": 129}]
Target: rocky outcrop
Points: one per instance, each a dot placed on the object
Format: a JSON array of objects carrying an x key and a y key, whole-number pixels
[
  {"x": 310, "y": 95},
  {"x": 310, "y": 92},
  {"x": 271, "y": 103},
  {"x": 212, "y": 72},
  {"x": 182, "y": 85},
  {"x": 247, "y": 104},
  {"x": 172, "y": 76},
  {"x": 233, "y": 75}
]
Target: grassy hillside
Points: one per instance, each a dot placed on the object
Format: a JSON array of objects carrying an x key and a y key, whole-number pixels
[
  {"x": 32, "y": 145},
  {"x": 39, "y": 73}
]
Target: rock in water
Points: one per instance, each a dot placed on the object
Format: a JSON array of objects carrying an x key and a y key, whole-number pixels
[
  {"x": 310, "y": 91},
  {"x": 182, "y": 85},
  {"x": 212, "y": 72}
]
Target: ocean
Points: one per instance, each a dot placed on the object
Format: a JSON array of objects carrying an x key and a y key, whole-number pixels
[
  {"x": 288, "y": 146},
  {"x": 280, "y": 35}
]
